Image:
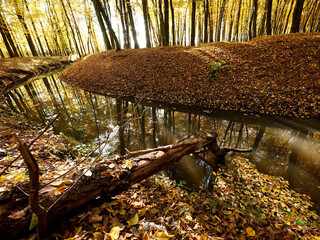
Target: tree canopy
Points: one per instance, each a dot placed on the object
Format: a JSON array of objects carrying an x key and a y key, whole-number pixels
[{"x": 64, "y": 27}]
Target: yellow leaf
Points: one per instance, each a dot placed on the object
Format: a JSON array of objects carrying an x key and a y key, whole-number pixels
[
  {"x": 204, "y": 236},
  {"x": 18, "y": 177},
  {"x": 97, "y": 236},
  {"x": 122, "y": 211},
  {"x": 142, "y": 212},
  {"x": 128, "y": 164},
  {"x": 114, "y": 233},
  {"x": 250, "y": 232},
  {"x": 134, "y": 220}
]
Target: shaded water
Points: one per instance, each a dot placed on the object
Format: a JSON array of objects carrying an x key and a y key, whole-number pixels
[{"x": 280, "y": 147}]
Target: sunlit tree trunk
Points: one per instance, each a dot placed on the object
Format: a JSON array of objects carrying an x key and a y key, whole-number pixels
[
  {"x": 82, "y": 47},
  {"x": 237, "y": 25},
  {"x": 288, "y": 16},
  {"x": 71, "y": 28},
  {"x": 133, "y": 28},
  {"x": 102, "y": 27},
  {"x": 172, "y": 24},
  {"x": 34, "y": 28},
  {"x": 121, "y": 6},
  {"x": 21, "y": 18},
  {"x": 103, "y": 12},
  {"x": 7, "y": 39},
  {"x": 219, "y": 23}
]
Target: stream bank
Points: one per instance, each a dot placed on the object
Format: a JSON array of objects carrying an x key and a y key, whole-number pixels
[{"x": 272, "y": 75}]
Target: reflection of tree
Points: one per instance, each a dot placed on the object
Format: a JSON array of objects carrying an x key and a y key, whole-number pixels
[
  {"x": 257, "y": 141},
  {"x": 291, "y": 172}
]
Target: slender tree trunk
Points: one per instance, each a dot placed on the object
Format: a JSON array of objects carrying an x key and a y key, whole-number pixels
[
  {"x": 133, "y": 29},
  {"x": 35, "y": 29},
  {"x": 7, "y": 39},
  {"x": 166, "y": 23},
  {"x": 102, "y": 27},
  {"x": 172, "y": 24},
  {"x": 254, "y": 18},
  {"x": 20, "y": 16},
  {"x": 219, "y": 24},
  {"x": 206, "y": 18},
  {"x": 82, "y": 47},
  {"x": 102, "y": 11},
  {"x": 146, "y": 22},
  {"x": 193, "y": 22},
  {"x": 71, "y": 28},
  {"x": 269, "y": 15}
]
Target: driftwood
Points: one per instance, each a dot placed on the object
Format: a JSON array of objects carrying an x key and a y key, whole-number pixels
[{"x": 106, "y": 179}]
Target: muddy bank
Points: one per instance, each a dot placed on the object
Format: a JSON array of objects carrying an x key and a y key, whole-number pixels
[
  {"x": 273, "y": 75},
  {"x": 17, "y": 70}
]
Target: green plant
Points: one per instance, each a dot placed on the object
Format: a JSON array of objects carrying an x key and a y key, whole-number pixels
[{"x": 214, "y": 67}]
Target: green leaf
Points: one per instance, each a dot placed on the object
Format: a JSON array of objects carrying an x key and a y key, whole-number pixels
[{"x": 34, "y": 221}]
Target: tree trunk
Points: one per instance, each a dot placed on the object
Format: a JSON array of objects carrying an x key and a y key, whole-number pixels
[
  {"x": 296, "y": 16},
  {"x": 15, "y": 213},
  {"x": 269, "y": 13},
  {"x": 172, "y": 24},
  {"x": 146, "y": 22},
  {"x": 193, "y": 22},
  {"x": 102, "y": 27},
  {"x": 133, "y": 28}
]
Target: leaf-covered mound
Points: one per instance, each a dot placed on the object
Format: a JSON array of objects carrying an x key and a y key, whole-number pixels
[
  {"x": 273, "y": 75},
  {"x": 244, "y": 204}
]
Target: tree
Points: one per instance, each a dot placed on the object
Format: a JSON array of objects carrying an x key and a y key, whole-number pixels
[
  {"x": 100, "y": 10},
  {"x": 193, "y": 22},
  {"x": 296, "y": 18},
  {"x": 146, "y": 22},
  {"x": 269, "y": 13}
]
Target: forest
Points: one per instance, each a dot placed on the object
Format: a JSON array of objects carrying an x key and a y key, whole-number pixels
[
  {"x": 64, "y": 27},
  {"x": 159, "y": 119}
]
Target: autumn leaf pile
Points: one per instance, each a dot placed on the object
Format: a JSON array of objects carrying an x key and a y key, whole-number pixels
[
  {"x": 244, "y": 204},
  {"x": 272, "y": 75}
]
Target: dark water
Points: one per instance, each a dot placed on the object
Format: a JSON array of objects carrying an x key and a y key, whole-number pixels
[{"x": 280, "y": 147}]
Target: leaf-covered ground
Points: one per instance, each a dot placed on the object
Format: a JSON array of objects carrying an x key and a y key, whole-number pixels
[
  {"x": 272, "y": 75},
  {"x": 244, "y": 204}
]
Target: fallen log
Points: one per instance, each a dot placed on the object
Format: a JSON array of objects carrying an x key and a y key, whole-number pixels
[{"x": 106, "y": 179}]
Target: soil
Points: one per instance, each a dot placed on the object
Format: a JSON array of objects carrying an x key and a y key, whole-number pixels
[{"x": 271, "y": 75}]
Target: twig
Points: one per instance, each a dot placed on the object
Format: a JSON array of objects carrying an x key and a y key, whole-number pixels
[
  {"x": 226, "y": 149},
  {"x": 29, "y": 145},
  {"x": 34, "y": 187}
]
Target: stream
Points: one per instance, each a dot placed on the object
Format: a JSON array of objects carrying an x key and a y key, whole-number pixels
[{"x": 280, "y": 147}]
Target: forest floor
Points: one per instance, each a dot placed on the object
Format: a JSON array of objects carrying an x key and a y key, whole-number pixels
[
  {"x": 14, "y": 71},
  {"x": 244, "y": 203},
  {"x": 271, "y": 75}
]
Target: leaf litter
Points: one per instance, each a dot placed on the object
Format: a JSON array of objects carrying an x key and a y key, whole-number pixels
[
  {"x": 271, "y": 75},
  {"x": 244, "y": 204}
]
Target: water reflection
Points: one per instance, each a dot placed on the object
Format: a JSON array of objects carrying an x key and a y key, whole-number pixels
[{"x": 278, "y": 149}]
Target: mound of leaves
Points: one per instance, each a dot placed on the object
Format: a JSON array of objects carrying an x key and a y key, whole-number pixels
[
  {"x": 244, "y": 204},
  {"x": 272, "y": 75}
]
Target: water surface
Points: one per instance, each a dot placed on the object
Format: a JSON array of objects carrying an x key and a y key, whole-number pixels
[{"x": 280, "y": 147}]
